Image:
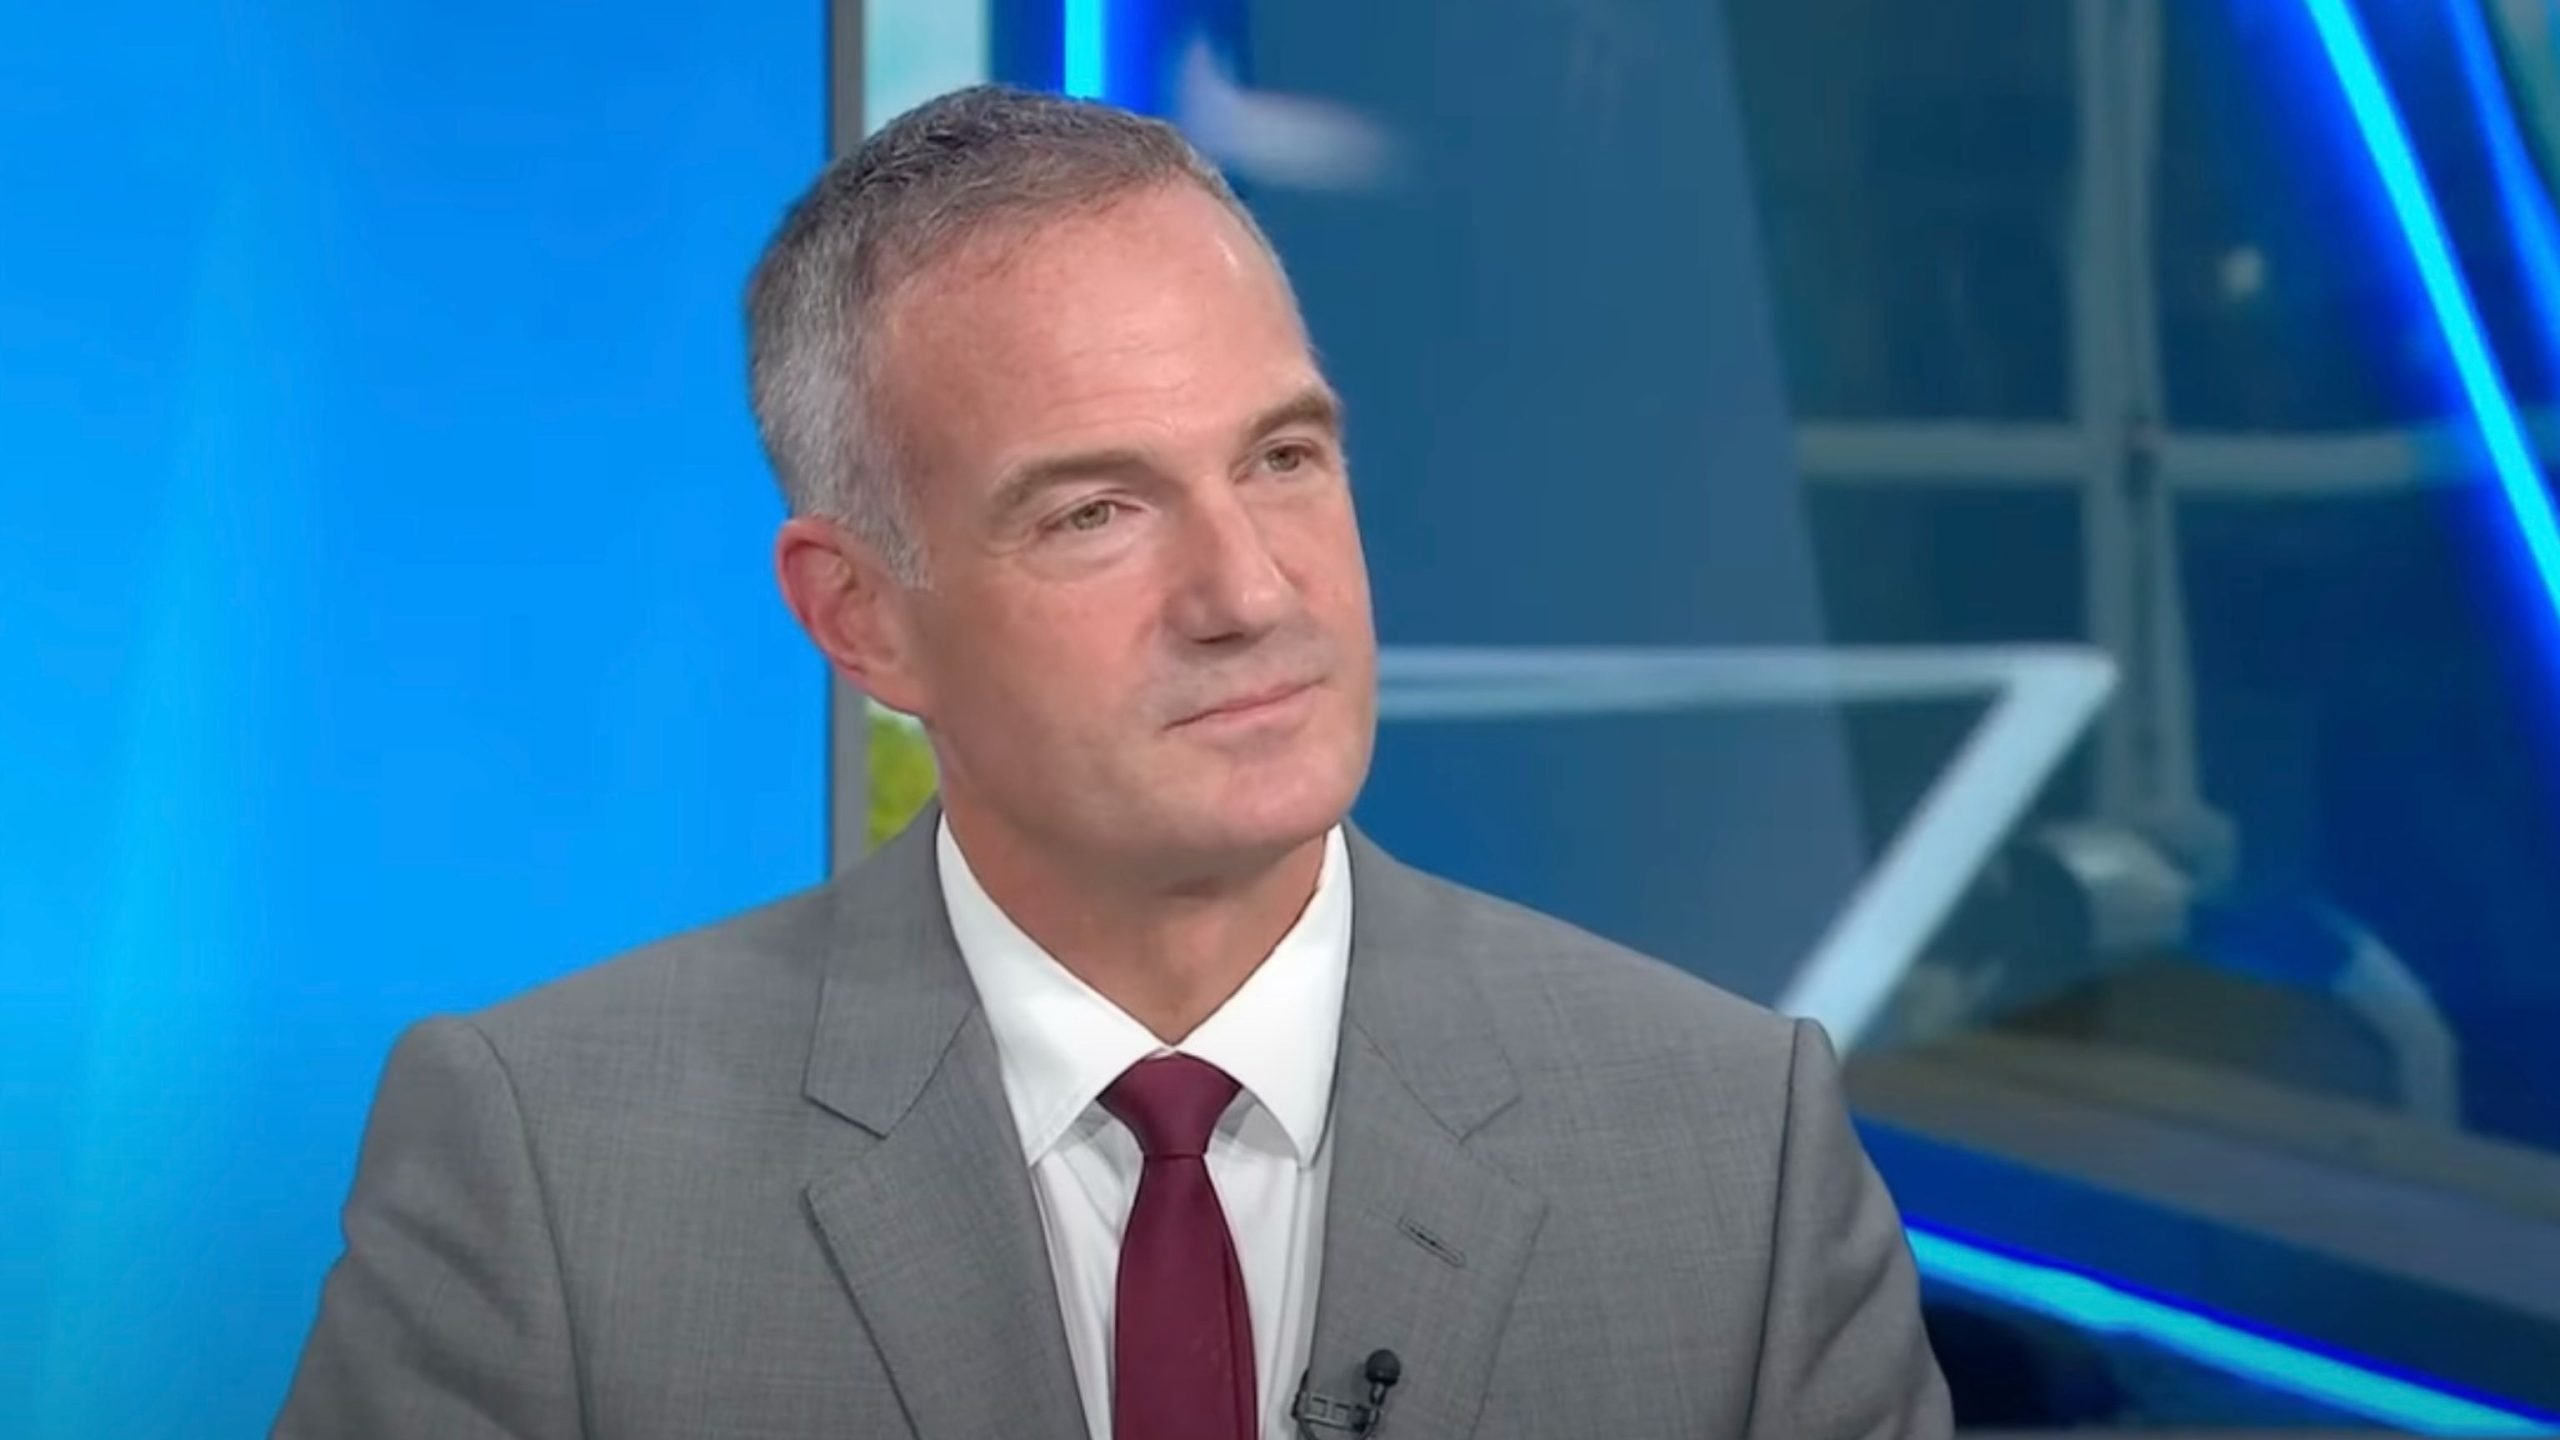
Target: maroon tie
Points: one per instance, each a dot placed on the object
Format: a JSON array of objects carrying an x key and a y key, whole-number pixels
[{"x": 1182, "y": 1347}]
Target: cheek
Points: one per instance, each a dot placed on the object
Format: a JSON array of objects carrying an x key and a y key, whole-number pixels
[
  {"x": 1071, "y": 659},
  {"x": 1332, "y": 568}
]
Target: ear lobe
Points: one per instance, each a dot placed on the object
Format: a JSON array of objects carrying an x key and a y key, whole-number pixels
[{"x": 852, "y": 608}]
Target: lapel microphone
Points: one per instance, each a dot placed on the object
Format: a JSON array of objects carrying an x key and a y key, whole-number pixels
[{"x": 1323, "y": 1412}]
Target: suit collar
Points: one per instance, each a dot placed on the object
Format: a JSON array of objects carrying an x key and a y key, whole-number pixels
[
  {"x": 1416, "y": 998},
  {"x": 1425, "y": 1238},
  {"x": 936, "y": 1232},
  {"x": 936, "y": 1235},
  {"x": 933, "y": 1226},
  {"x": 895, "y": 992},
  {"x": 1062, "y": 1043}
]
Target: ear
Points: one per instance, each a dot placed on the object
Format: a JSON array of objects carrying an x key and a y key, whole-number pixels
[{"x": 854, "y": 610}]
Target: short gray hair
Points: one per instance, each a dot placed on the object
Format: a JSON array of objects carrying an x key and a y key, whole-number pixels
[{"x": 973, "y": 162}]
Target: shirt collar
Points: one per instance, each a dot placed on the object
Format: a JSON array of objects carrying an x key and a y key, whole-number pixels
[{"x": 1060, "y": 1043}]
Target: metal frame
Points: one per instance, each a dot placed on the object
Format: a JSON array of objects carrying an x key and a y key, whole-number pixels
[
  {"x": 2130, "y": 470},
  {"x": 2042, "y": 699},
  {"x": 848, "y": 709}
]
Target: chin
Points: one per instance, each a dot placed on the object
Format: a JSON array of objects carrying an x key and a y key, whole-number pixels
[
  {"x": 1280, "y": 813},
  {"x": 1275, "y": 832}
]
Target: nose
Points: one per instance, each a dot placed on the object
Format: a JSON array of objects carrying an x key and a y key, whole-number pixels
[{"x": 1232, "y": 586}]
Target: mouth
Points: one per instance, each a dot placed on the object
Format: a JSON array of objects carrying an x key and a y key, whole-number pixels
[{"x": 1250, "y": 705}]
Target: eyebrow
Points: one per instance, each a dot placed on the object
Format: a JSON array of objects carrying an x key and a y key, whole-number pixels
[
  {"x": 1315, "y": 407},
  {"x": 1027, "y": 482}
]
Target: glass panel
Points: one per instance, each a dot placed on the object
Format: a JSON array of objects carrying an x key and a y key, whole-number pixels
[
  {"x": 1913, "y": 165},
  {"x": 2285, "y": 300},
  {"x": 1893, "y": 376}
]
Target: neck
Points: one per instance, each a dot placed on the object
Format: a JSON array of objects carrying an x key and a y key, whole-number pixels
[{"x": 1168, "y": 949}]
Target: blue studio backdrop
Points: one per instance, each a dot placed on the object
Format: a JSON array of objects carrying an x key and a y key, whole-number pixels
[{"x": 384, "y": 604}]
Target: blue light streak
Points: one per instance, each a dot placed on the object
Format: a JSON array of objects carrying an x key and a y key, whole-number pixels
[
  {"x": 2386, "y": 140},
  {"x": 1084, "y": 43},
  {"x": 2520, "y": 189},
  {"x": 2090, "y": 1304}
]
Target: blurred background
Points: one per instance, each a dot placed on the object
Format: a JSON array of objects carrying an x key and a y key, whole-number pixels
[{"x": 2017, "y": 528}]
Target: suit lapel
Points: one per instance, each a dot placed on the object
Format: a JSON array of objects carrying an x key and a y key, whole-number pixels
[
  {"x": 1424, "y": 1244},
  {"x": 933, "y": 1227}
]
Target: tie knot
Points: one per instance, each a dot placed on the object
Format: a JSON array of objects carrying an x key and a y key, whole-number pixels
[{"x": 1171, "y": 1103}]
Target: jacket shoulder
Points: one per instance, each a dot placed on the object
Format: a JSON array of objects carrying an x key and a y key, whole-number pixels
[
  {"x": 736, "y": 995},
  {"x": 1565, "y": 997}
]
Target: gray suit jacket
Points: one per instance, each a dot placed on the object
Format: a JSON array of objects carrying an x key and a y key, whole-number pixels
[{"x": 760, "y": 1181}]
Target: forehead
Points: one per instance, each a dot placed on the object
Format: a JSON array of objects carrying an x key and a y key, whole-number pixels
[{"x": 1154, "y": 309}]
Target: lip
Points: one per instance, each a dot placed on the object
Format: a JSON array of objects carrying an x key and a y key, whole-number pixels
[{"x": 1247, "y": 706}]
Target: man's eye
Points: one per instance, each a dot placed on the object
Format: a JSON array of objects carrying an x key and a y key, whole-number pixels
[
  {"x": 1288, "y": 459},
  {"x": 1092, "y": 515}
]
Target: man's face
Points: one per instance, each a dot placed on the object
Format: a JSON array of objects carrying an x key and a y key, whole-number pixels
[{"x": 1144, "y": 640}]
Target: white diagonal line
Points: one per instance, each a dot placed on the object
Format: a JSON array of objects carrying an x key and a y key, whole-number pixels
[{"x": 2043, "y": 697}]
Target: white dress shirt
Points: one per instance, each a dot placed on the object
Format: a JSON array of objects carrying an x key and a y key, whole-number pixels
[{"x": 1060, "y": 1044}]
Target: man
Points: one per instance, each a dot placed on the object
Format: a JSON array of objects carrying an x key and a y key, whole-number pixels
[{"x": 1130, "y": 1094}]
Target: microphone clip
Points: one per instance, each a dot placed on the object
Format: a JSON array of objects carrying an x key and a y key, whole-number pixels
[
  {"x": 1314, "y": 1412},
  {"x": 1323, "y": 1412}
]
